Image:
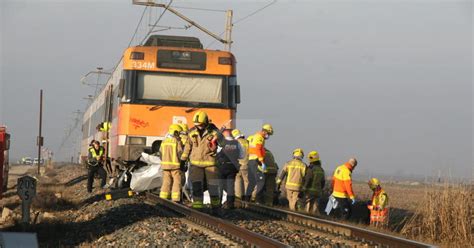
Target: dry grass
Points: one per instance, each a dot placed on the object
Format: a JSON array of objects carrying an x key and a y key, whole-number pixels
[{"x": 444, "y": 216}]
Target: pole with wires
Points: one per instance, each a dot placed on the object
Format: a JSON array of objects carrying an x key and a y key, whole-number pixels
[{"x": 228, "y": 31}]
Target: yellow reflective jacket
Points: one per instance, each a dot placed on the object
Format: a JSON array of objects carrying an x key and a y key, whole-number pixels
[
  {"x": 256, "y": 146},
  {"x": 294, "y": 171},
  {"x": 170, "y": 150},
  {"x": 379, "y": 200},
  {"x": 244, "y": 162},
  {"x": 342, "y": 182},
  {"x": 201, "y": 149}
]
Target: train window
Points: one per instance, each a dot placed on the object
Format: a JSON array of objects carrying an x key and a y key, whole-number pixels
[{"x": 180, "y": 88}]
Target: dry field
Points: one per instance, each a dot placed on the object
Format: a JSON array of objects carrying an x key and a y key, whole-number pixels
[{"x": 441, "y": 214}]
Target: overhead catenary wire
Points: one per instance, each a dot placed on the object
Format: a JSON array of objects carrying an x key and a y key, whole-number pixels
[
  {"x": 244, "y": 18},
  {"x": 255, "y": 12},
  {"x": 138, "y": 26},
  {"x": 156, "y": 22},
  {"x": 202, "y": 9}
]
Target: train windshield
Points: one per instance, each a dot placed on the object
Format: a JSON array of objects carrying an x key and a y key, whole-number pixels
[{"x": 180, "y": 88}]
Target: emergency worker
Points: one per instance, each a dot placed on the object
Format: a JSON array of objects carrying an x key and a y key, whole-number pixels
[
  {"x": 256, "y": 164},
  {"x": 95, "y": 161},
  {"x": 270, "y": 178},
  {"x": 228, "y": 163},
  {"x": 314, "y": 183},
  {"x": 170, "y": 150},
  {"x": 294, "y": 172},
  {"x": 242, "y": 177},
  {"x": 184, "y": 133},
  {"x": 342, "y": 188},
  {"x": 378, "y": 206},
  {"x": 200, "y": 150}
]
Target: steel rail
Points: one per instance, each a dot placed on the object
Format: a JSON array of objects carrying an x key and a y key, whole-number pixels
[
  {"x": 356, "y": 233},
  {"x": 223, "y": 227}
]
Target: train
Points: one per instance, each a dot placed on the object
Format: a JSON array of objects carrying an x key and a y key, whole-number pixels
[
  {"x": 4, "y": 160},
  {"x": 166, "y": 80}
]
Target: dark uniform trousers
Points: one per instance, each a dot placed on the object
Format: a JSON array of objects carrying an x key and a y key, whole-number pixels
[
  {"x": 91, "y": 174},
  {"x": 256, "y": 181},
  {"x": 227, "y": 173}
]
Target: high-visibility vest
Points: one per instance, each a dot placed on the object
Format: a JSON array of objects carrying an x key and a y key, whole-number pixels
[
  {"x": 342, "y": 182},
  {"x": 379, "y": 199},
  {"x": 378, "y": 215},
  {"x": 256, "y": 146},
  {"x": 105, "y": 126},
  {"x": 170, "y": 150},
  {"x": 95, "y": 154}
]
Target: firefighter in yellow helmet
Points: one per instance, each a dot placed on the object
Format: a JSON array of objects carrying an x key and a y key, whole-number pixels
[
  {"x": 378, "y": 206},
  {"x": 184, "y": 133},
  {"x": 294, "y": 172},
  {"x": 201, "y": 150},
  {"x": 270, "y": 178},
  {"x": 256, "y": 164},
  {"x": 242, "y": 177},
  {"x": 170, "y": 150},
  {"x": 314, "y": 183}
]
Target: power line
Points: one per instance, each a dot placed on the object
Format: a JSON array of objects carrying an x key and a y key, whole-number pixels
[
  {"x": 159, "y": 18},
  {"x": 244, "y": 18},
  {"x": 138, "y": 26},
  {"x": 255, "y": 12},
  {"x": 203, "y": 9}
]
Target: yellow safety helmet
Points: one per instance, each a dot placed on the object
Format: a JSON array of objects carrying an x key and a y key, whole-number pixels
[
  {"x": 184, "y": 127},
  {"x": 374, "y": 183},
  {"x": 268, "y": 128},
  {"x": 298, "y": 152},
  {"x": 236, "y": 133},
  {"x": 313, "y": 156},
  {"x": 174, "y": 128},
  {"x": 200, "y": 118}
]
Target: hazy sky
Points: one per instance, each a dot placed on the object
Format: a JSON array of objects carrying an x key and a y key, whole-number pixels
[{"x": 389, "y": 82}]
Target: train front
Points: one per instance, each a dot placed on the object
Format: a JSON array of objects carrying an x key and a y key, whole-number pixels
[{"x": 166, "y": 81}]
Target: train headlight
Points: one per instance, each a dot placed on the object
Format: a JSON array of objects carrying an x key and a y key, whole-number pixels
[{"x": 136, "y": 140}]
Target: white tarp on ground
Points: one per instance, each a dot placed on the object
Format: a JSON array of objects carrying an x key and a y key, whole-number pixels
[
  {"x": 148, "y": 177},
  {"x": 151, "y": 177}
]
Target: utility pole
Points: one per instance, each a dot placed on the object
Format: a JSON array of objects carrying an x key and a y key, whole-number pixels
[
  {"x": 228, "y": 31},
  {"x": 40, "y": 138}
]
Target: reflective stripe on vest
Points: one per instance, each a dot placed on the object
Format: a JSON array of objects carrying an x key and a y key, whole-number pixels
[{"x": 174, "y": 160}]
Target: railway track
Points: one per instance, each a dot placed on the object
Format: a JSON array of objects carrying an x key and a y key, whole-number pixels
[
  {"x": 369, "y": 237},
  {"x": 223, "y": 227}
]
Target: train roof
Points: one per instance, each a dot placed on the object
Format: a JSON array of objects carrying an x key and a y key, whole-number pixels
[{"x": 174, "y": 41}]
